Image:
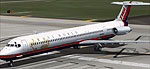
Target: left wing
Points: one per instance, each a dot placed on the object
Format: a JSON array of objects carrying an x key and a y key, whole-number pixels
[{"x": 109, "y": 41}]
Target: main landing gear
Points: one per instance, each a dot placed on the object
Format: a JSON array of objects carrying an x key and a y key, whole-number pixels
[
  {"x": 76, "y": 47},
  {"x": 98, "y": 47},
  {"x": 10, "y": 63}
]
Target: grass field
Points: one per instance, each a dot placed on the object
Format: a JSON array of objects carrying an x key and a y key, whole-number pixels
[{"x": 85, "y": 9}]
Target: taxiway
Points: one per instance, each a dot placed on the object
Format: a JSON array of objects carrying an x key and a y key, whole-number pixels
[{"x": 136, "y": 56}]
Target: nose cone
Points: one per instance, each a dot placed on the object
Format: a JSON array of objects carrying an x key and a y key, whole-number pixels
[
  {"x": 2, "y": 52},
  {"x": 3, "y": 55},
  {"x": 5, "y": 51}
]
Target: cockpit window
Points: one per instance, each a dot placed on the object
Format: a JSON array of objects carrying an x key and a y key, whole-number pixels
[
  {"x": 8, "y": 45},
  {"x": 19, "y": 45},
  {"x": 13, "y": 45}
]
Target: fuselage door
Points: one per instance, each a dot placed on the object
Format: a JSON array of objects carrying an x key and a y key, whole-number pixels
[
  {"x": 25, "y": 45},
  {"x": 104, "y": 30}
]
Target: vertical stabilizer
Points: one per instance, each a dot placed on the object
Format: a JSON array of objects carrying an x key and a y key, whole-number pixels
[{"x": 123, "y": 15}]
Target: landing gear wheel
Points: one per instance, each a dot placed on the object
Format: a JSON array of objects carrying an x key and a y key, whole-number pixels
[
  {"x": 11, "y": 63},
  {"x": 98, "y": 47},
  {"x": 76, "y": 47}
]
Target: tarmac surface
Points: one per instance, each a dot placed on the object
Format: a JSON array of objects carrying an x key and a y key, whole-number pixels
[{"x": 135, "y": 56}]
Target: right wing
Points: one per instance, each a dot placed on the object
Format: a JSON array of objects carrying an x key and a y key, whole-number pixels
[{"x": 108, "y": 41}]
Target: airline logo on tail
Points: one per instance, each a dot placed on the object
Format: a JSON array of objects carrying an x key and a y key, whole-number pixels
[
  {"x": 123, "y": 15},
  {"x": 125, "y": 12}
]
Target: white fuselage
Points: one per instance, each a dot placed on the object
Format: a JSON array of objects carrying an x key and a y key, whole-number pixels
[{"x": 59, "y": 38}]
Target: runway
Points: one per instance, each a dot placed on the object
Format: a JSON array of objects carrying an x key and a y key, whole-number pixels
[{"x": 136, "y": 56}]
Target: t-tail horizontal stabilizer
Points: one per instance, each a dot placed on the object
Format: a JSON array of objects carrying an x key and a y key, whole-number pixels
[{"x": 132, "y": 3}]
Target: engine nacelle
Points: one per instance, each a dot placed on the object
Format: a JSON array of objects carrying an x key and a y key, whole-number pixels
[{"x": 122, "y": 30}]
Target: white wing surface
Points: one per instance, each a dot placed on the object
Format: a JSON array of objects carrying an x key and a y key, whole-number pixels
[
  {"x": 132, "y": 3},
  {"x": 108, "y": 41}
]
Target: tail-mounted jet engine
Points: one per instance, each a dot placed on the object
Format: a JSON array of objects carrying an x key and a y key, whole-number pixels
[{"x": 122, "y": 30}]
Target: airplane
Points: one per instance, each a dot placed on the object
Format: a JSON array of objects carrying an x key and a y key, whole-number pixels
[{"x": 25, "y": 46}]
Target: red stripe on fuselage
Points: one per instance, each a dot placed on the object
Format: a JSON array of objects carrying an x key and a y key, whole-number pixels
[{"x": 14, "y": 55}]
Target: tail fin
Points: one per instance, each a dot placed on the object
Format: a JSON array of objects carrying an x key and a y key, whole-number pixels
[{"x": 123, "y": 15}]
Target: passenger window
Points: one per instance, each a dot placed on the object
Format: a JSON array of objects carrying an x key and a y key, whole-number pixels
[
  {"x": 8, "y": 45},
  {"x": 12, "y": 45},
  {"x": 19, "y": 45}
]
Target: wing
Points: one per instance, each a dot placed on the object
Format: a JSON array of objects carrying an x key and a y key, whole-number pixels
[{"x": 109, "y": 41}]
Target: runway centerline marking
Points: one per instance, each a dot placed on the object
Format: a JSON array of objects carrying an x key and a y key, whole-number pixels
[{"x": 108, "y": 61}]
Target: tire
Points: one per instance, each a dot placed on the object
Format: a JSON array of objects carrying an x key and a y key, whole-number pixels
[
  {"x": 10, "y": 64},
  {"x": 97, "y": 48}
]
